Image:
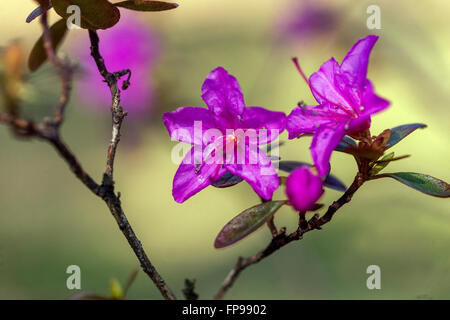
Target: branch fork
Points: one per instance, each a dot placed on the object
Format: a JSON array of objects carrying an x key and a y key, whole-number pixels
[{"x": 49, "y": 130}]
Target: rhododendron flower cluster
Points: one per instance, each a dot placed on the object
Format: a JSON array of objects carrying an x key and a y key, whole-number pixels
[
  {"x": 226, "y": 138},
  {"x": 346, "y": 101}
]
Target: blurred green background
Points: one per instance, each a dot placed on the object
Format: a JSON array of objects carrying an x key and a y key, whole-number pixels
[{"x": 49, "y": 220}]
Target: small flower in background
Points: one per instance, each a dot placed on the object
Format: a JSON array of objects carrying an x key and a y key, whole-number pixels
[
  {"x": 303, "y": 188},
  {"x": 346, "y": 101},
  {"x": 129, "y": 45},
  {"x": 308, "y": 21},
  {"x": 226, "y": 111}
]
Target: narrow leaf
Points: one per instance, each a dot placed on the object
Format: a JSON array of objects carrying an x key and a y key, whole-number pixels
[
  {"x": 246, "y": 222},
  {"x": 38, "y": 54},
  {"x": 346, "y": 143},
  {"x": 421, "y": 182},
  {"x": 331, "y": 181},
  {"x": 382, "y": 164},
  {"x": 334, "y": 183},
  {"x": 146, "y": 5},
  {"x": 95, "y": 14},
  {"x": 400, "y": 132},
  {"x": 272, "y": 146},
  {"x": 289, "y": 166},
  {"x": 227, "y": 180},
  {"x": 37, "y": 12}
]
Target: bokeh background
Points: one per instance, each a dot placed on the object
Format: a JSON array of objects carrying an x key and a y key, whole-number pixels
[{"x": 49, "y": 220}]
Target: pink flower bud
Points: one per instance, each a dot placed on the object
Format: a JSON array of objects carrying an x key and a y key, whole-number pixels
[{"x": 303, "y": 188}]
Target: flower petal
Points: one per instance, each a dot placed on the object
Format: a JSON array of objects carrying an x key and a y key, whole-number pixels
[
  {"x": 180, "y": 123},
  {"x": 269, "y": 124},
  {"x": 258, "y": 171},
  {"x": 326, "y": 87},
  {"x": 371, "y": 104},
  {"x": 193, "y": 175},
  {"x": 222, "y": 94},
  {"x": 324, "y": 141},
  {"x": 307, "y": 119},
  {"x": 354, "y": 65}
]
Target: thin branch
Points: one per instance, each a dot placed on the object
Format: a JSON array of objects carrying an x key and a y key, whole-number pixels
[
  {"x": 118, "y": 115},
  {"x": 130, "y": 281},
  {"x": 73, "y": 163},
  {"x": 283, "y": 239},
  {"x": 113, "y": 201},
  {"x": 49, "y": 131},
  {"x": 189, "y": 290},
  {"x": 65, "y": 70},
  {"x": 271, "y": 222}
]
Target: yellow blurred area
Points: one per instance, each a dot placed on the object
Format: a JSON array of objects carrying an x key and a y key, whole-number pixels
[{"x": 49, "y": 220}]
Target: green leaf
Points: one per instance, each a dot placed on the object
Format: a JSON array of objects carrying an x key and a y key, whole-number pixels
[
  {"x": 115, "y": 290},
  {"x": 382, "y": 164},
  {"x": 146, "y": 5},
  {"x": 227, "y": 180},
  {"x": 289, "y": 166},
  {"x": 38, "y": 54},
  {"x": 37, "y": 12},
  {"x": 330, "y": 182},
  {"x": 334, "y": 183},
  {"x": 346, "y": 143},
  {"x": 400, "y": 132},
  {"x": 421, "y": 182},
  {"x": 95, "y": 14},
  {"x": 246, "y": 222}
]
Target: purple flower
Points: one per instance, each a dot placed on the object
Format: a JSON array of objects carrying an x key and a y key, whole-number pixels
[
  {"x": 225, "y": 138},
  {"x": 309, "y": 20},
  {"x": 129, "y": 45},
  {"x": 303, "y": 189},
  {"x": 346, "y": 101}
]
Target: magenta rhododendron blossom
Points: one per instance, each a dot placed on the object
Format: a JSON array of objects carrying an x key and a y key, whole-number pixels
[
  {"x": 346, "y": 101},
  {"x": 303, "y": 188},
  {"x": 129, "y": 45},
  {"x": 225, "y": 136}
]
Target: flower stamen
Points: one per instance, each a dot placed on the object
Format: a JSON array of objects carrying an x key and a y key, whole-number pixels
[{"x": 299, "y": 69}]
